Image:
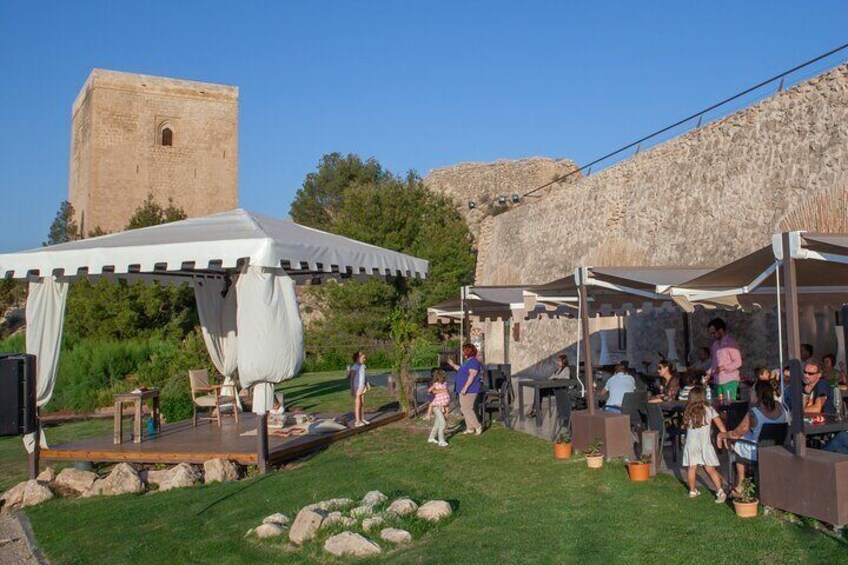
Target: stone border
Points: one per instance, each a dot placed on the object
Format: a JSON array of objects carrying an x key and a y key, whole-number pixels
[{"x": 29, "y": 536}]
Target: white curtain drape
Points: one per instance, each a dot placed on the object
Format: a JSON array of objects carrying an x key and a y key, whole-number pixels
[
  {"x": 270, "y": 332},
  {"x": 216, "y": 307},
  {"x": 45, "y": 316}
]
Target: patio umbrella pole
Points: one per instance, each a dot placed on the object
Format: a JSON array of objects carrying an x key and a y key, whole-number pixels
[
  {"x": 793, "y": 342},
  {"x": 262, "y": 443},
  {"x": 587, "y": 346}
]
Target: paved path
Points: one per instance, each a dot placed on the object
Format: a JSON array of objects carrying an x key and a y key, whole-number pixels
[{"x": 14, "y": 547}]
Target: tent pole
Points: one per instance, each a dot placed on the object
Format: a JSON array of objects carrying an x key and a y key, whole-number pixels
[
  {"x": 262, "y": 445},
  {"x": 793, "y": 342},
  {"x": 779, "y": 332},
  {"x": 587, "y": 346}
]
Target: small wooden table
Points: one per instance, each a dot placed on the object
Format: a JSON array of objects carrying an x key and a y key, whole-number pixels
[
  {"x": 138, "y": 399},
  {"x": 539, "y": 385}
]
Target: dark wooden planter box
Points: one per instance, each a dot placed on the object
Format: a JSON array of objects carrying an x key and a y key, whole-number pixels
[
  {"x": 612, "y": 429},
  {"x": 815, "y": 485}
]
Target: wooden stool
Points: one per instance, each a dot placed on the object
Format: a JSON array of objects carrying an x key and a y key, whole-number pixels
[{"x": 138, "y": 400}]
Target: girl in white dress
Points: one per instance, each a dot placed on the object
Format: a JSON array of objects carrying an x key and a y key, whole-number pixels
[{"x": 698, "y": 418}]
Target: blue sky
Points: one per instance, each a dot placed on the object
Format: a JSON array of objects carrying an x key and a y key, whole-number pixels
[{"x": 418, "y": 85}]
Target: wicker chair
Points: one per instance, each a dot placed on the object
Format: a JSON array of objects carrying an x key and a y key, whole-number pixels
[{"x": 205, "y": 395}]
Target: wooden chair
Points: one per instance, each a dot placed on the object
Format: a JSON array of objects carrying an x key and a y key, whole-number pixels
[{"x": 206, "y": 395}]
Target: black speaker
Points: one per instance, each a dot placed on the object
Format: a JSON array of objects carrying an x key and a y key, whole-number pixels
[{"x": 17, "y": 395}]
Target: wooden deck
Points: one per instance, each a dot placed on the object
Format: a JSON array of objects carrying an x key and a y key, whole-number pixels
[{"x": 183, "y": 443}]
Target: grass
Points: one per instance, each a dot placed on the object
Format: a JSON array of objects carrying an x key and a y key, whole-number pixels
[
  {"x": 328, "y": 392},
  {"x": 514, "y": 504}
]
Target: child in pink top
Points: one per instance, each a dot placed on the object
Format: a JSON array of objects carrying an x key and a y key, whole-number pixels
[{"x": 440, "y": 402}]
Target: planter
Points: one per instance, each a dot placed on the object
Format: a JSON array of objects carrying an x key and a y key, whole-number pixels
[
  {"x": 595, "y": 461},
  {"x": 746, "y": 509},
  {"x": 639, "y": 472},
  {"x": 563, "y": 450}
]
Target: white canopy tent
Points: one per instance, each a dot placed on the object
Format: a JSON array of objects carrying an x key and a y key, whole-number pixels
[{"x": 243, "y": 267}]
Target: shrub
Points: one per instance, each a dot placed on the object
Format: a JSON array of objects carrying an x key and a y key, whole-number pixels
[{"x": 13, "y": 344}]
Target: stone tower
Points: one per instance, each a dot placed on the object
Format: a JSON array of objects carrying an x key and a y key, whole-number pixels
[{"x": 134, "y": 135}]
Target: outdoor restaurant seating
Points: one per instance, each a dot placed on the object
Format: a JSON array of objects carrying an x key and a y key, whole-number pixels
[
  {"x": 563, "y": 407},
  {"x": 666, "y": 430},
  {"x": 497, "y": 394},
  {"x": 770, "y": 434},
  {"x": 205, "y": 395},
  {"x": 635, "y": 405}
]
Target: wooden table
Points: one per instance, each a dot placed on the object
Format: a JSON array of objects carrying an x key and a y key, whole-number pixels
[
  {"x": 539, "y": 385},
  {"x": 138, "y": 399}
]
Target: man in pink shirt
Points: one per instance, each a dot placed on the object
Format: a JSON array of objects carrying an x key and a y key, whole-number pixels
[{"x": 726, "y": 361}]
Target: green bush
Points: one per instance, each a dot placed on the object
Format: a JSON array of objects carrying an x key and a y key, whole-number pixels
[{"x": 13, "y": 344}]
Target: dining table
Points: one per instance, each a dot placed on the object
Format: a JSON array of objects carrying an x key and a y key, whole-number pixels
[{"x": 539, "y": 385}]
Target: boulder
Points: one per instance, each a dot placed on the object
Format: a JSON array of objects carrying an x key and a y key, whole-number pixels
[
  {"x": 268, "y": 530},
  {"x": 306, "y": 525},
  {"x": 123, "y": 479},
  {"x": 219, "y": 470},
  {"x": 48, "y": 475},
  {"x": 369, "y": 524},
  {"x": 96, "y": 489},
  {"x": 348, "y": 522},
  {"x": 154, "y": 477},
  {"x": 395, "y": 535},
  {"x": 435, "y": 510},
  {"x": 276, "y": 518},
  {"x": 362, "y": 512},
  {"x": 75, "y": 480},
  {"x": 330, "y": 505},
  {"x": 35, "y": 493},
  {"x": 374, "y": 498},
  {"x": 402, "y": 507},
  {"x": 14, "y": 496},
  {"x": 332, "y": 519},
  {"x": 182, "y": 475},
  {"x": 349, "y": 543}
]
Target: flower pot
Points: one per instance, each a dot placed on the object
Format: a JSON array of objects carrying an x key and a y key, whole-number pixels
[
  {"x": 595, "y": 461},
  {"x": 746, "y": 509},
  {"x": 639, "y": 472},
  {"x": 562, "y": 450}
]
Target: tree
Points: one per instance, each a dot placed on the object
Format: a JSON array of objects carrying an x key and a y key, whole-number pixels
[
  {"x": 151, "y": 213},
  {"x": 64, "y": 228},
  {"x": 321, "y": 197}
]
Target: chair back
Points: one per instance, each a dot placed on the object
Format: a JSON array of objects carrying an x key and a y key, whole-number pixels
[
  {"x": 773, "y": 434},
  {"x": 635, "y": 405},
  {"x": 199, "y": 379},
  {"x": 641, "y": 385},
  {"x": 563, "y": 405},
  {"x": 656, "y": 422}
]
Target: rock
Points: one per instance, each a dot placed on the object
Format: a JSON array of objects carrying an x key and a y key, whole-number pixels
[
  {"x": 330, "y": 505},
  {"x": 348, "y": 522},
  {"x": 219, "y": 470},
  {"x": 35, "y": 493},
  {"x": 48, "y": 475},
  {"x": 362, "y": 512},
  {"x": 75, "y": 480},
  {"x": 395, "y": 535},
  {"x": 154, "y": 477},
  {"x": 277, "y": 518},
  {"x": 305, "y": 525},
  {"x": 374, "y": 498},
  {"x": 14, "y": 496},
  {"x": 332, "y": 519},
  {"x": 268, "y": 530},
  {"x": 370, "y": 523},
  {"x": 349, "y": 543},
  {"x": 435, "y": 510},
  {"x": 402, "y": 507},
  {"x": 96, "y": 489},
  {"x": 182, "y": 475},
  {"x": 123, "y": 479}
]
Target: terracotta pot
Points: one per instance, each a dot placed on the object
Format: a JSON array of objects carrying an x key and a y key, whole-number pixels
[
  {"x": 595, "y": 461},
  {"x": 562, "y": 450},
  {"x": 746, "y": 509},
  {"x": 639, "y": 472}
]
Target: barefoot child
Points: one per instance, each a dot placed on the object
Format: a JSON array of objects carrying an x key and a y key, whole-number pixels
[
  {"x": 440, "y": 402},
  {"x": 698, "y": 418}
]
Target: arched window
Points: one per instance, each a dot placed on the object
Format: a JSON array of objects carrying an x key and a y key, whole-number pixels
[{"x": 167, "y": 137}]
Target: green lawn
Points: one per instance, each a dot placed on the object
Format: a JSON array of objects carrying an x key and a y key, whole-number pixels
[
  {"x": 328, "y": 392},
  {"x": 514, "y": 504}
]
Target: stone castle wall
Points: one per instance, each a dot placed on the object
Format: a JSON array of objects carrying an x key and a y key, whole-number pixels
[
  {"x": 704, "y": 198},
  {"x": 482, "y": 183},
  {"x": 117, "y": 157}
]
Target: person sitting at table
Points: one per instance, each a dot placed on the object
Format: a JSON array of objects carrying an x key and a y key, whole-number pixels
[
  {"x": 817, "y": 395},
  {"x": 688, "y": 381},
  {"x": 830, "y": 373},
  {"x": 616, "y": 387},
  {"x": 562, "y": 372},
  {"x": 838, "y": 444},
  {"x": 762, "y": 374},
  {"x": 669, "y": 383},
  {"x": 766, "y": 411}
]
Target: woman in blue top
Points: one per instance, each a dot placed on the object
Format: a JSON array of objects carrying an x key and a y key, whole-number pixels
[{"x": 467, "y": 385}]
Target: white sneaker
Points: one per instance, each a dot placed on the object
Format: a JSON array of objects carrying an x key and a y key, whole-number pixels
[
  {"x": 442, "y": 444},
  {"x": 366, "y": 422},
  {"x": 694, "y": 493},
  {"x": 359, "y": 424},
  {"x": 432, "y": 440},
  {"x": 721, "y": 497},
  {"x": 478, "y": 431}
]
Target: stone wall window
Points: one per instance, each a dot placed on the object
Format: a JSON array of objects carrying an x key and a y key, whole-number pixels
[{"x": 167, "y": 137}]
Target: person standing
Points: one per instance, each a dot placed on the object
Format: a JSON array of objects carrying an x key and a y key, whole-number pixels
[
  {"x": 467, "y": 386},
  {"x": 358, "y": 387},
  {"x": 440, "y": 403},
  {"x": 726, "y": 360}
]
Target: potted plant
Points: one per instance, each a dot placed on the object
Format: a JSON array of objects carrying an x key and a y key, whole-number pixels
[
  {"x": 594, "y": 455},
  {"x": 562, "y": 444},
  {"x": 746, "y": 503},
  {"x": 640, "y": 469}
]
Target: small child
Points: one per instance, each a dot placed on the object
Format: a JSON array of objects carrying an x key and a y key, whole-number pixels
[
  {"x": 440, "y": 402},
  {"x": 698, "y": 418},
  {"x": 429, "y": 414}
]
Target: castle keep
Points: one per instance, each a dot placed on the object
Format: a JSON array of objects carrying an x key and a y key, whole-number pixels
[{"x": 134, "y": 135}]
